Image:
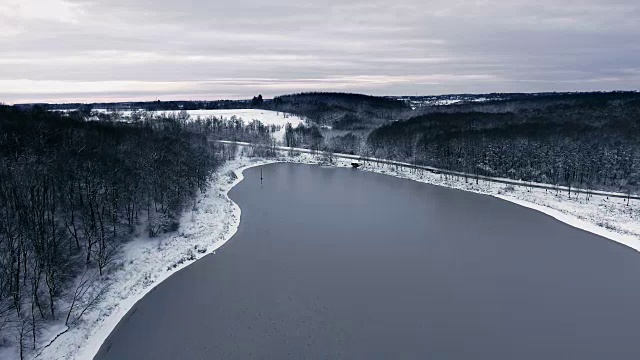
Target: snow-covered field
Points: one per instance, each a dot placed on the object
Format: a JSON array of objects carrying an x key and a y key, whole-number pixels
[
  {"x": 147, "y": 262},
  {"x": 266, "y": 117}
]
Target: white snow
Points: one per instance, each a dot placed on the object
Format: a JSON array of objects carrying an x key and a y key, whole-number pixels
[
  {"x": 147, "y": 262},
  {"x": 446, "y": 102},
  {"x": 266, "y": 117}
]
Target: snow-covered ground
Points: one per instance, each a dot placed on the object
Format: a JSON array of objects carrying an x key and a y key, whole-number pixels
[
  {"x": 266, "y": 117},
  {"x": 147, "y": 262}
]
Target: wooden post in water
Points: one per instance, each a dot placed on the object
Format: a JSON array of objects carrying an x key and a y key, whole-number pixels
[{"x": 261, "y": 176}]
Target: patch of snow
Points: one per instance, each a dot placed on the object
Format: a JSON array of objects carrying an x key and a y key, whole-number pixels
[{"x": 446, "y": 102}]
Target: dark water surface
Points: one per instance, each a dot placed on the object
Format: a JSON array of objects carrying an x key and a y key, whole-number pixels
[{"x": 343, "y": 264}]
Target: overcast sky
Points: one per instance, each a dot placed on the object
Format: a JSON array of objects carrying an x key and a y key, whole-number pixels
[{"x": 103, "y": 50}]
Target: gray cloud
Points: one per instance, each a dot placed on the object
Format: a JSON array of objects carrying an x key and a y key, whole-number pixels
[{"x": 75, "y": 50}]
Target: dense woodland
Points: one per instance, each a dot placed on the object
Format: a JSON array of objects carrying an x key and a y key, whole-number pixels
[
  {"x": 341, "y": 110},
  {"x": 71, "y": 193},
  {"x": 584, "y": 140},
  {"x": 575, "y": 139},
  {"x": 589, "y": 140}
]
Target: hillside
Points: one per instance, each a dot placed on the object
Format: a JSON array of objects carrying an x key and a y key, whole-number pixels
[
  {"x": 342, "y": 111},
  {"x": 588, "y": 140}
]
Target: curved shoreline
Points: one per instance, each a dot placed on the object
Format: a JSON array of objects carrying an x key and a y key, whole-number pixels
[
  {"x": 97, "y": 336},
  {"x": 84, "y": 342},
  {"x": 629, "y": 241},
  {"x": 110, "y": 323}
]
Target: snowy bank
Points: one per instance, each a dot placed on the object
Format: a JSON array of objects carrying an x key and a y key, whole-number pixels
[
  {"x": 146, "y": 262},
  {"x": 266, "y": 117}
]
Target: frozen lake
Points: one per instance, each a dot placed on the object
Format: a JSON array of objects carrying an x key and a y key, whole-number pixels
[{"x": 341, "y": 264}]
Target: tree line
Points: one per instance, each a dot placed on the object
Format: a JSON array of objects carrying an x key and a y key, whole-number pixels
[
  {"x": 592, "y": 142},
  {"x": 587, "y": 140},
  {"x": 341, "y": 110},
  {"x": 71, "y": 193}
]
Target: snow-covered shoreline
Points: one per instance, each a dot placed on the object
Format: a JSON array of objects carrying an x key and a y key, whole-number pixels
[
  {"x": 598, "y": 215},
  {"x": 630, "y": 241},
  {"x": 609, "y": 218},
  {"x": 148, "y": 262}
]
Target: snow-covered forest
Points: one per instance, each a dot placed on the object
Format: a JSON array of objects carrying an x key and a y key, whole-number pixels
[
  {"x": 72, "y": 193},
  {"x": 588, "y": 140}
]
